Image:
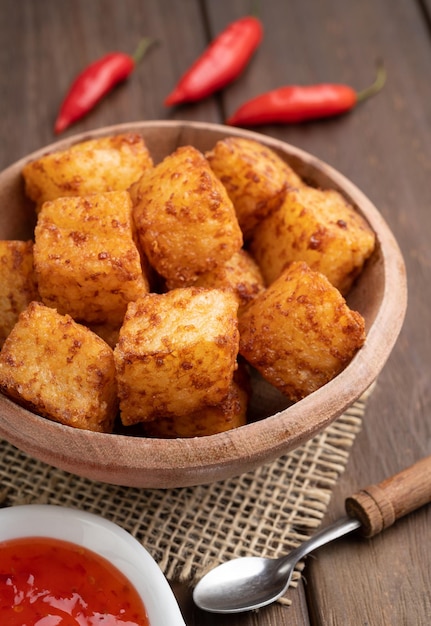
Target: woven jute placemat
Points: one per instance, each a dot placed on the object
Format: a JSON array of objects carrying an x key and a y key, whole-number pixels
[{"x": 188, "y": 530}]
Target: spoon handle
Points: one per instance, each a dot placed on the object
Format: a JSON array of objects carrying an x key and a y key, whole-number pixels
[{"x": 378, "y": 506}]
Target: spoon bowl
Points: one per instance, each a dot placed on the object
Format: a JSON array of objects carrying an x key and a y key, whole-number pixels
[{"x": 252, "y": 582}]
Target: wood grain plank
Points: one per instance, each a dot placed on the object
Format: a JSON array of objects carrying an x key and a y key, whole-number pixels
[
  {"x": 382, "y": 581},
  {"x": 425, "y": 7},
  {"x": 50, "y": 42}
]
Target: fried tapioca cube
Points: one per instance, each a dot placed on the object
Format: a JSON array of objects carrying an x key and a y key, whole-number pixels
[
  {"x": 60, "y": 370},
  {"x": 95, "y": 166},
  {"x": 185, "y": 220},
  {"x": 228, "y": 414},
  {"x": 300, "y": 333},
  {"x": 255, "y": 178},
  {"x": 240, "y": 274},
  {"x": 86, "y": 260},
  {"x": 176, "y": 353},
  {"x": 17, "y": 282},
  {"x": 319, "y": 227}
]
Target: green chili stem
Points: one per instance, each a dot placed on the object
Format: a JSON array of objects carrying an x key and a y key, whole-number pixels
[
  {"x": 255, "y": 8},
  {"x": 376, "y": 86},
  {"x": 142, "y": 48}
]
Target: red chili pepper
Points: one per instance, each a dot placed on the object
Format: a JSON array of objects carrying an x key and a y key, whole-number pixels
[
  {"x": 297, "y": 103},
  {"x": 222, "y": 61},
  {"x": 94, "y": 82}
]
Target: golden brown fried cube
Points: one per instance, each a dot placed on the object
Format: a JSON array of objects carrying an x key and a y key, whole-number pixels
[
  {"x": 300, "y": 333},
  {"x": 176, "y": 353},
  {"x": 94, "y": 166},
  {"x": 60, "y": 370},
  {"x": 230, "y": 413},
  {"x": 318, "y": 227},
  {"x": 86, "y": 260},
  {"x": 17, "y": 282},
  {"x": 255, "y": 177},
  {"x": 186, "y": 222},
  {"x": 240, "y": 274}
]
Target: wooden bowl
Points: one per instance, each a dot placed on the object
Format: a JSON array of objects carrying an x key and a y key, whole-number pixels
[{"x": 380, "y": 295}]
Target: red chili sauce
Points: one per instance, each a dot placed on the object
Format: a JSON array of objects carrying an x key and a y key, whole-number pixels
[{"x": 48, "y": 582}]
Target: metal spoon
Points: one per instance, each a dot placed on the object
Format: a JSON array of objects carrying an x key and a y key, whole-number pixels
[{"x": 252, "y": 582}]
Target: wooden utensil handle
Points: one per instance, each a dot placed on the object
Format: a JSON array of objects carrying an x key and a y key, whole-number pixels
[{"x": 378, "y": 506}]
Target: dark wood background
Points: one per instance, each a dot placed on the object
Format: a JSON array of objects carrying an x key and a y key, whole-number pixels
[{"x": 384, "y": 146}]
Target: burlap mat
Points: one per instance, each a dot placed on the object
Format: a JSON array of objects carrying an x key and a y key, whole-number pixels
[{"x": 266, "y": 512}]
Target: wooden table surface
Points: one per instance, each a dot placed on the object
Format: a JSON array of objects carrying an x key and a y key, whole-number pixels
[{"x": 384, "y": 146}]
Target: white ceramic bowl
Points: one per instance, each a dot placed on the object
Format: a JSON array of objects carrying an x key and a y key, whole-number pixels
[
  {"x": 380, "y": 295},
  {"x": 105, "y": 538}
]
